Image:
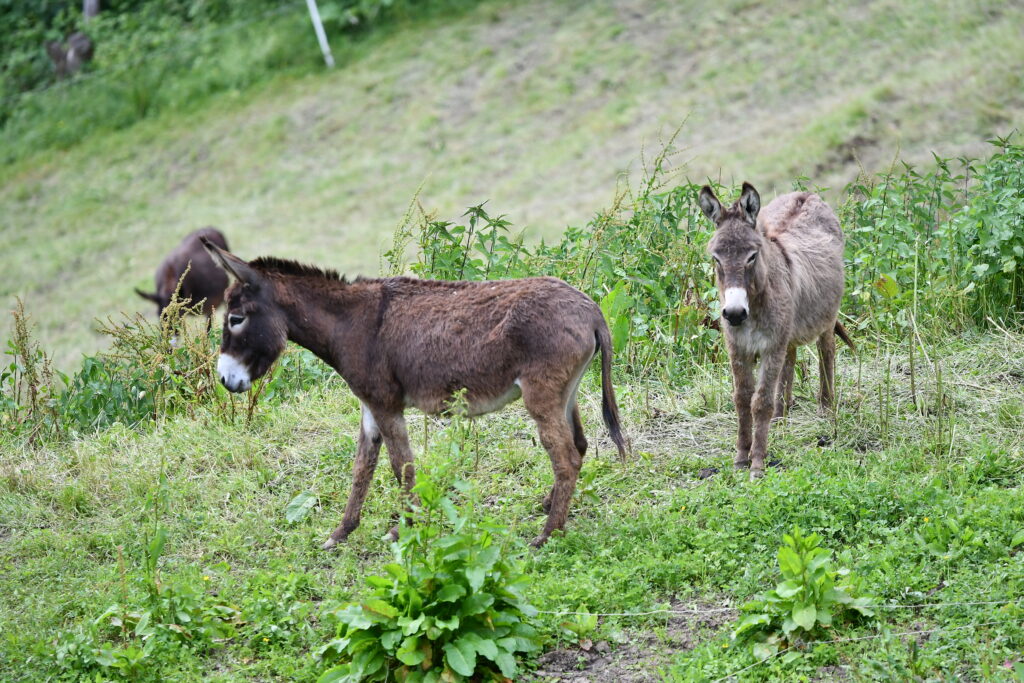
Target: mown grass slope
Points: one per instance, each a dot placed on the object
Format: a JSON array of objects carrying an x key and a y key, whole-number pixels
[
  {"x": 535, "y": 106},
  {"x": 652, "y": 531}
]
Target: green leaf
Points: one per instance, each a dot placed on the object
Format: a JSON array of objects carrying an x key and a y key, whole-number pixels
[
  {"x": 789, "y": 562},
  {"x": 804, "y": 615},
  {"x": 378, "y": 582},
  {"x": 142, "y": 628},
  {"x": 887, "y": 286},
  {"x": 461, "y": 656},
  {"x": 450, "y": 624},
  {"x": 379, "y": 607},
  {"x": 411, "y": 626},
  {"x": 396, "y": 571},
  {"x": 337, "y": 674},
  {"x": 483, "y": 646},
  {"x": 410, "y": 653},
  {"x": 787, "y": 589},
  {"x": 507, "y": 665},
  {"x": 1018, "y": 538},
  {"x": 476, "y": 576},
  {"x": 156, "y": 546},
  {"x": 476, "y": 603},
  {"x": 450, "y": 593},
  {"x": 300, "y": 506},
  {"x": 389, "y": 639}
]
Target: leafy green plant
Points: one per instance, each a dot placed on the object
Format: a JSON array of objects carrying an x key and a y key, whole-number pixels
[
  {"x": 449, "y": 608},
  {"x": 808, "y": 598},
  {"x": 948, "y": 538},
  {"x": 27, "y": 388}
]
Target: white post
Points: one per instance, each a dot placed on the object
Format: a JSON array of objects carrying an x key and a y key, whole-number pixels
[{"x": 318, "y": 26}]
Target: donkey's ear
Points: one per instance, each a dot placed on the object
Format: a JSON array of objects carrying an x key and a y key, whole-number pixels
[
  {"x": 231, "y": 264},
  {"x": 148, "y": 297},
  {"x": 709, "y": 204},
  {"x": 750, "y": 202}
]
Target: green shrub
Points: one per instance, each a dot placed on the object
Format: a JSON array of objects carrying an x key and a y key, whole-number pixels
[
  {"x": 450, "y": 607},
  {"x": 807, "y": 599}
]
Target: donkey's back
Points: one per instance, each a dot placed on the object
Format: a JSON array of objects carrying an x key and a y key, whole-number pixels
[{"x": 808, "y": 232}]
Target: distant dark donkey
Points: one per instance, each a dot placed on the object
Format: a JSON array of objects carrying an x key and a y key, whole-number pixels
[
  {"x": 402, "y": 342},
  {"x": 780, "y": 278},
  {"x": 204, "y": 281}
]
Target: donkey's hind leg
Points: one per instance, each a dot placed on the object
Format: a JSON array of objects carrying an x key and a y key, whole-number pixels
[
  {"x": 580, "y": 440},
  {"x": 784, "y": 398},
  {"x": 547, "y": 406},
  {"x": 362, "y": 474},
  {"x": 827, "y": 369}
]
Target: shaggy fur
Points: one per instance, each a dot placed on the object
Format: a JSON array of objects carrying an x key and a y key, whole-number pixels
[
  {"x": 204, "y": 281},
  {"x": 401, "y": 342},
  {"x": 784, "y": 267}
]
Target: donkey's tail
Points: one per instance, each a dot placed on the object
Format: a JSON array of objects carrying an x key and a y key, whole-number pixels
[
  {"x": 609, "y": 409},
  {"x": 845, "y": 336}
]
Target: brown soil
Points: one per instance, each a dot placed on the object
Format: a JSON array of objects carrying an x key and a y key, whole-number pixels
[{"x": 638, "y": 659}]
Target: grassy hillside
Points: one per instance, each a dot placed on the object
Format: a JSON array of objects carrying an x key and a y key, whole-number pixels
[
  {"x": 153, "y": 527},
  {"x": 535, "y": 106}
]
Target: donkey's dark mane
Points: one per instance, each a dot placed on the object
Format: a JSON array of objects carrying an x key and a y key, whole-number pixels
[{"x": 272, "y": 264}]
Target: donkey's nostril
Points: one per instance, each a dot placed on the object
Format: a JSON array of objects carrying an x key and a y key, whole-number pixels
[{"x": 735, "y": 316}]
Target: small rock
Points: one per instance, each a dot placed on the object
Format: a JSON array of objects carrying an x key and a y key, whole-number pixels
[
  {"x": 707, "y": 472},
  {"x": 603, "y": 647}
]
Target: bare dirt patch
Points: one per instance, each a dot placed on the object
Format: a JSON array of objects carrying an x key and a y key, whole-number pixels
[{"x": 644, "y": 653}]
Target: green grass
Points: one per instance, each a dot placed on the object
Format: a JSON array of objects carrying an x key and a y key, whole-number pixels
[
  {"x": 642, "y": 533},
  {"x": 537, "y": 107}
]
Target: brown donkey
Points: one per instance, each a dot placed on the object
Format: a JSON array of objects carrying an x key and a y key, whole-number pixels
[
  {"x": 204, "y": 281},
  {"x": 402, "y": 342},
  {"x": 780, "y": 279}
]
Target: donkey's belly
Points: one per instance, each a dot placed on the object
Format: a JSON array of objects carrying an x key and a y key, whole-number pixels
[
  {"x": 475, "y": 404},
  {"x": 481, "y": 406}
]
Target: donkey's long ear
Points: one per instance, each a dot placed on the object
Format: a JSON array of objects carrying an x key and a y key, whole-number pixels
[
  {"x": 750, "y": 202},
  {"x": 231, "y": 264},
  {"x": 709, "y": 204},
  {"x": 148, "y": 297}
]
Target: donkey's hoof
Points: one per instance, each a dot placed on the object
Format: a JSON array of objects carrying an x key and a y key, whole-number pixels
[
  {"x": 741, "y": 464},
  {"x": 393, "y": 533},
  {"x": 539, "y": 541},
  {"x": 328, "y": 544},
  {"x": 756, "y": 473}
]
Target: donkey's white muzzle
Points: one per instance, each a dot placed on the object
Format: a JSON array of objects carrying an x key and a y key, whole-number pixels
[
  {"x": 735, "y": 307},
  {"x": 233, "y": 375}
]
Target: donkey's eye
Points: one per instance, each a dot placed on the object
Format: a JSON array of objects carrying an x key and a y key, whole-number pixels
[
  {"x": 235, "y": 320},
  {"x": 753, "y": 257}
]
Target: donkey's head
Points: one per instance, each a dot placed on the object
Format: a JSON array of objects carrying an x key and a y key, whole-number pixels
[
  {"x": 735, "y": 247},
  {"x": 255, "y": 328}
]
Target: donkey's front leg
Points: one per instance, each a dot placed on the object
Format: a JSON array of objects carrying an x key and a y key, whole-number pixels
[
  {"x": 396, "y": 438},
  {"x": 362, "y": 474},
  {"x": 763, "y": 406},
  {"x": 742, "y": 391},
  {"x": 784, "y": 396}
]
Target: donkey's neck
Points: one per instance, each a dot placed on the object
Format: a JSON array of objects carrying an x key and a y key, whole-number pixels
[
  {"x": 320, "y": 310},
  {"x": 773, "y": 277}
]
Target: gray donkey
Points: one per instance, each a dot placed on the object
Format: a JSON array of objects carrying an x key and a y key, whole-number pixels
[{"x": 780, "y": 279}]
